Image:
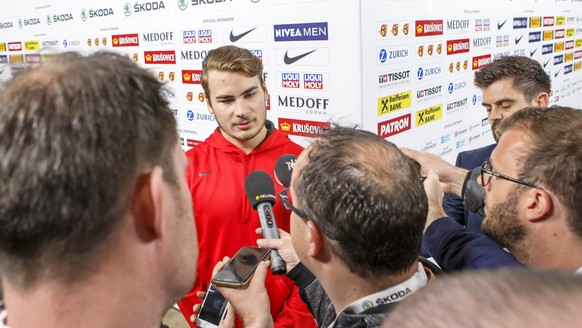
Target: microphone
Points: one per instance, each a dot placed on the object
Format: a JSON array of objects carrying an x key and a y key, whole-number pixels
[
  {"x": 284, "y": 168},
  {"x": 261, "y": 194}
]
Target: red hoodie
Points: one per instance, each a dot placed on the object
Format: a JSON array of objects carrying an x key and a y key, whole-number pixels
[{"x": 226, "y": 221}]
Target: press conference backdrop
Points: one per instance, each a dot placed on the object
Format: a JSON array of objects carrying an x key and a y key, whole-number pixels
[{"x": 402, "y": 69}]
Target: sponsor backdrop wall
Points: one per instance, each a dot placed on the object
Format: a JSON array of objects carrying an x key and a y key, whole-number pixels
[{"x": 402, "y": 69}]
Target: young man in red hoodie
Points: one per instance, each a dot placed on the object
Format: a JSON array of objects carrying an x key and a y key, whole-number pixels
[{"x": 244, "y": 141}]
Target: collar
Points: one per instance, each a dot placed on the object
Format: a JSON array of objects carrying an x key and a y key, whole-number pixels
[
  {"x": 3, "y": 315},
  {"x": 392, "y": 294},
  {"x": 579, "y": 271}
]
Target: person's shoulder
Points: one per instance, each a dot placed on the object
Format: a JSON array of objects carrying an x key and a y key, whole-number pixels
[{"x": 482, "y": 152}]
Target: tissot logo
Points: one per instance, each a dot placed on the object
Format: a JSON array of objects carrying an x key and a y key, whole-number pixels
[
  {"x": 481, "y": 42},
  {"x": 125, "y": 40},
  {"x": 191, "y": 76},
  {"x": 458, "y": 46},
  {"x": 158, "y": 37},
  {"x": 160, "y": 57},
  {"x": 301, "y": 127},
  {"x": 480, "y": 61},
  {"x": 387, "y": 80},
  {"x": 457, "y": 105},
  {"x": 429, "y": 92},
  {"x": 548, "y": 21},
  {"x": 194, "y": 55},
  {"x": 301, "y": 32},
  {"x": 428, "y": 27},
  {"x": 4, "y": 25},
  {"x": 519, "y": 22},
  {"x": 394, "y": 126},
  {"x": 14, "y": 46},
  {"x": 457, "y": 24},
  {"x": 535, "y": 37}
]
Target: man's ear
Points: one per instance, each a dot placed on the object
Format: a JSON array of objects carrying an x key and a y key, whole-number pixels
[
  {"x": 543, "y": 100},
  {"x": 538, "y": 204},
  {"x": 147, "y": 204},
  {"x": 209, "y": 106},
  {"x": 316, "y": 240}
]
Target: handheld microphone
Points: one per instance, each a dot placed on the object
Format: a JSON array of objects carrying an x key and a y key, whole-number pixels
[
  {"x": 284, "y": 168},
  {"x": 261, "y": 194}
]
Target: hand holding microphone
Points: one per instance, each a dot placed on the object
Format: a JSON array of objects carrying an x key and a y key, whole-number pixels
[{"x": 261, "y": 194}]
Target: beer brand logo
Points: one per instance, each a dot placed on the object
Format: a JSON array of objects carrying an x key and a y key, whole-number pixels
[
  {"x": 160, "y": 57},
  {"x": 480, "y": 61},
  {"x": 302, "y": 127},
  {"x": 191, "y": 76},
  {"x": 458, "y": 46},
  {"x": 125, "y": 40},
  {"x": 429, "y": 27}
]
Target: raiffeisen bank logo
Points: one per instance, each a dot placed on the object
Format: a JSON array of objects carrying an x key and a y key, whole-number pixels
[{"x": 301, "y": 32}]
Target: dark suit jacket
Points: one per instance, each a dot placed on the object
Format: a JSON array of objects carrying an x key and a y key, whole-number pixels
[{"x": 452, "y": 204}]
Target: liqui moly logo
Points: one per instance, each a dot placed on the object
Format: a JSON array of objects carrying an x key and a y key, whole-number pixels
[
  {"x": 313, "y": 81},
  {"x": 290, "y": 80}
]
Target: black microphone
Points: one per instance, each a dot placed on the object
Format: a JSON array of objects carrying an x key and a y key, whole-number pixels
[
  {"x": 261, "y": 194},
  {"x": 284, "y": 168}
]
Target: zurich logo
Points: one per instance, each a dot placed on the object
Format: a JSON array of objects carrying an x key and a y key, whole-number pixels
[
  {"x": 383, "y": 55},
  {"x": 474, "y": 99},
  {"x": 190, "y": 115},
  {"x": 420, "y": 73},
  {"x": 450, "y": 88},
  {"x": 65, "y": 43}
]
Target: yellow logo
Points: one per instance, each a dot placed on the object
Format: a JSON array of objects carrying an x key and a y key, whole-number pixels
[
  {"x": 285, "y": 126},
  {"x": 429, "y": 114},
  {"x": 394, "y": 102}
]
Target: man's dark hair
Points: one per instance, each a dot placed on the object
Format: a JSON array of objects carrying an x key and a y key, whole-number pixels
[
  {"x": 528, "y": 75},
  {"x": 553, "y": 159},
  {"x": 76, "y": 133},
  {"x": 367, "y": 197}
]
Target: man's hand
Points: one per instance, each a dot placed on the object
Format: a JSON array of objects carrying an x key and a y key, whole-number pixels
[
  {"x": 252, "y": 302},
  {"x": 434, "y": 193},
  {"x": 451, "y": 176},
  {"x": 283, "y": 245}
]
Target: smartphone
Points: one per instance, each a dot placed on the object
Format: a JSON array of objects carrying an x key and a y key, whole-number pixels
[
  {"x": 237, "y": 272},
  {"x": 212, "y": 309}
]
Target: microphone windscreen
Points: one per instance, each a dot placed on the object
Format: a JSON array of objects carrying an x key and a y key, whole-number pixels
[
  {"x": 284, "y": 169},
  {"x": 259, "y": 188}
]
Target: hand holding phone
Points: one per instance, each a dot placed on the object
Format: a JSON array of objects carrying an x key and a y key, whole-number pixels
[
  {"x": 212, "y": 310},
  {"x": 238, "y": 271}
]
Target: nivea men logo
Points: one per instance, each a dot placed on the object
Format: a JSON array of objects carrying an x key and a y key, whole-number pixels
[
  {"x": 547, "y": 49},
  {"x": 301, "y": 32},
  {"x": 481, "y": 42},
  {"x": 3, "y": 59},
  {"x": 62, "y": 17},
  {"x": 456, "y": 24},
  {"x": 567, "y": 69},
  {"x": 535, "y": 37},
  {"x": 559, "y": 59},
  {"x": 4, "y": 25},
  {"x": 162, "y": 37},
  {"x": 519, "y": 22},
  {"x": 194, "y": 54}
]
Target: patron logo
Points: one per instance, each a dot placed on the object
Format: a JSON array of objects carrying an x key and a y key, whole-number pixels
[
  {"x": 394, "y": 78},
  {"x": 535, "y": 22},
  {"x": 305, "y": 105},
  {"x": 456, "y": 24},
  {"x": 191, "y": 76},
  {"x": 14, "y": 46},
  {"x": 458, "y": 46},
  {"x": 548, "y": 21},
  {"x": 290, "y": 80},
  {"x": 301, "y": 127},
  {"x": 394, "y": 102},
  {"x": 428, "y": 115},
  {"x": 394, "y": 126},
  {"x": 6, "y": 25},
  {"x": 96, "y": 13},
  {"x": 481, "y": 42},
  {"x": 548, "y": 35},
  {"x": 428, "y": 27},
  {"x": 31, "y": 45},
  {"x": 560, "y": 34},
  {"x": 125, "y": 40},
  {"x": 502, "y": 41},
  {"x": 535, "y": 37},
  {"x": 194, "y": 55},
  {"x": 482, "y": 25},
  {"x": 160, "y": 57},
  {"x": 394, "y": 29},
  {"x": 480, "y": 61},
  {"x": 301, "y": 32},
  {"x": 519, "y": 22},
  {"x": 313, "y": 81}
]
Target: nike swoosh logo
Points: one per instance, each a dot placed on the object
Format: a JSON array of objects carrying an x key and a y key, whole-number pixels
[
  {"x": 201, "y": 174},
  {"x": 557, "y": 73},
  {"x": 499, "y": 26},
  {"x": 518, "y": 39},
  {"x": 546, "y": 63},
  {"x": 235, "y": 38},
  {"x": 290, "y": 60},
  {"x": 531, "y": 53}
]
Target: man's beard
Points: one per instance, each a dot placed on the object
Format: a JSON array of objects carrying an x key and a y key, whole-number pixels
[
  {"x": 502, "y": 224},
  {"x": 494, "y": 127}
]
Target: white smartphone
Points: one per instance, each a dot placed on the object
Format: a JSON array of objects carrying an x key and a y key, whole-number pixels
[{"x": 212, "y": 310}]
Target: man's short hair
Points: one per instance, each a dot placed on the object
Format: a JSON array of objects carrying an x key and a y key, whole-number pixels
[
  {"x": 553, "y": 158},
  {"x": 231, "y": 59},
  {"x": 75, "y": 135},
  {"x": 367, "y": 197},
  {"x": 494, "y": 298},
  {"x": 528, "y": 75}
]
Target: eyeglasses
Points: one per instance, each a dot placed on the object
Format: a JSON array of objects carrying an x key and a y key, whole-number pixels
[
  {"x": 487, "y": 172},
  {"x": 285, "y": 196}
]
